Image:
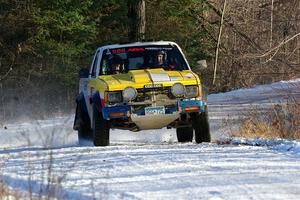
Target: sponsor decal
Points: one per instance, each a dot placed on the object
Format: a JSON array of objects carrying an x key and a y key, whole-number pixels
[
  {"x": 153, "y": 86},
  {"x": 158, "y": 48},
  {"x": 116, "y": 51},
  {"x": 136, "y": 50},
  {"x": 123, "y": 50}
]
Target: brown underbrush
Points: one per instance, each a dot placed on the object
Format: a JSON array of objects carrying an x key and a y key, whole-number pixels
[
  {"x": 6, "y": 193},
  {"x": 278, "y": 121}
]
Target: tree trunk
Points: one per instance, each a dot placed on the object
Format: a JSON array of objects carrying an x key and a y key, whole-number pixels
[{"x": 137, "y": 20}]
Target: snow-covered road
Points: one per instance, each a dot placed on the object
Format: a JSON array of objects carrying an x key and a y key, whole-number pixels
[
  {"x": 175, "y": 171},
  {"x": 151, "y": 164}
]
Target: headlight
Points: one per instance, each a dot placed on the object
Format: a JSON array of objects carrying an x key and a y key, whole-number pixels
[
  {"x": 114, "y": 97},
  {"x": 191, "y": 91},
  {"x": 178, "y": 90},
  {"x": 129, "y": 93}
]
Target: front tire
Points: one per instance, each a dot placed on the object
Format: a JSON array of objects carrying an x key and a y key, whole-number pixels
[
  {"x": 101, "y": 128},
  {"x": 184, "y": 134},
  {"x": 201, "y": 127}
]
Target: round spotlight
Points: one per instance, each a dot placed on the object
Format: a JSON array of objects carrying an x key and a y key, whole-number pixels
[
  {"x": 178, "y": 90},
  {"x": 129, "y": 94}
]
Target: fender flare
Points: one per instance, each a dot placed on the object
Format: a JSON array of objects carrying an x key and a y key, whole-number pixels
[
  {"x": 81, "y": 100},
  {"x": 96, "y": 100},
  {"x": 79, "y": 116},
  {"x": 79, "y": 97}
]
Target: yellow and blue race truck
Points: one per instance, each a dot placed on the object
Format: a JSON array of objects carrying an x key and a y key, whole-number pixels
[{"x": 139, "y": 86}]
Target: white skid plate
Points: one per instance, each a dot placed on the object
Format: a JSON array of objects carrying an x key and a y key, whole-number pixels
[{"x": 154, "y": 121}]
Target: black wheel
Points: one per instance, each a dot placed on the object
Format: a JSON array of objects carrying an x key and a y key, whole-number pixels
[
  {"x": 100, "y": 129},
  {"x": 82, "y": 124},
  {"x": 184, "y": 134},
  {"x": 201, "y": 127}
]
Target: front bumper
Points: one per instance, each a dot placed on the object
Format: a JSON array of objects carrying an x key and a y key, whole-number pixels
[
  {"x": 188, "y": 106},
  {"x": 179, "y": 107}
]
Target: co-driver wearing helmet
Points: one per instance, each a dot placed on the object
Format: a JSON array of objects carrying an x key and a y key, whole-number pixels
[
  {"x": 160, "y": 56},
  {"x": 116, "y": 64}
]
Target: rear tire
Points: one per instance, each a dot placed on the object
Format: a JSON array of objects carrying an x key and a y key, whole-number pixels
[
  {"x": 184, "y": 134},
  {"x": 201, "y": 127},
  {"x": 101, "y": 128}
]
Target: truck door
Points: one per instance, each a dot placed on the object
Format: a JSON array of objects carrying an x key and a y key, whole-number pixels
[{"x": 94, "y": 71}]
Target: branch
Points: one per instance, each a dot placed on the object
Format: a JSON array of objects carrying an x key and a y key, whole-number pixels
[
  {"x": 275, "y": 48},
  {"x": 6, "y": 74},
  {"x": 231, "y": 25},
  {"x": 219, "y": 41}
]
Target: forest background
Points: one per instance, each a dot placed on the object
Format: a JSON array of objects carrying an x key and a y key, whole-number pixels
[{"x": 43, "y": 44}]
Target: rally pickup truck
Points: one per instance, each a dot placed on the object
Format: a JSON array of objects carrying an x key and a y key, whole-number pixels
[{"x": 140, "y": 86}]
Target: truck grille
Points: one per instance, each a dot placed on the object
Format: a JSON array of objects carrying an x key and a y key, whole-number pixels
[{"x": 153, "y": 94}]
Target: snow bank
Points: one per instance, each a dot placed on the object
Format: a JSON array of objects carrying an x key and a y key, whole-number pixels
[
  {"x": 269, "y": 93},
  {"x": 275, "y": 144}
]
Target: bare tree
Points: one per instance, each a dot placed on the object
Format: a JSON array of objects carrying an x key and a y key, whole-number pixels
[{"x": 254, "y": 49}]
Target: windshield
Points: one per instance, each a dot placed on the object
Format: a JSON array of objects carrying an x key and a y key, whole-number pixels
[{"x": 121, "y": 60}]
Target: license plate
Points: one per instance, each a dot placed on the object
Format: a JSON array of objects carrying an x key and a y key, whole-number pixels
[{"x": 155, "y": 110}]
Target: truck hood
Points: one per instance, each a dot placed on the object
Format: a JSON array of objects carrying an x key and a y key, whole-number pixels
[{"x": 139, "y": 78}]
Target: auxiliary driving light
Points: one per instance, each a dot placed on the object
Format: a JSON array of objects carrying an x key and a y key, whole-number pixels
[
  {"x": 178, "y": 90},
  {"x": 129, "y": 94}
]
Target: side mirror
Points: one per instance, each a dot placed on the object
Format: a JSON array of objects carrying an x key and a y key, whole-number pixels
[
  {"x": 84, "y": 73},
  {"x": 202, "y": 64}
]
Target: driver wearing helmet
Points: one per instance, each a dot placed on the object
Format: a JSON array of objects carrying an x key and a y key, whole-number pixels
[
  {"x": 160, "y": 57},
  {"x": 161, "y": 61}
]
